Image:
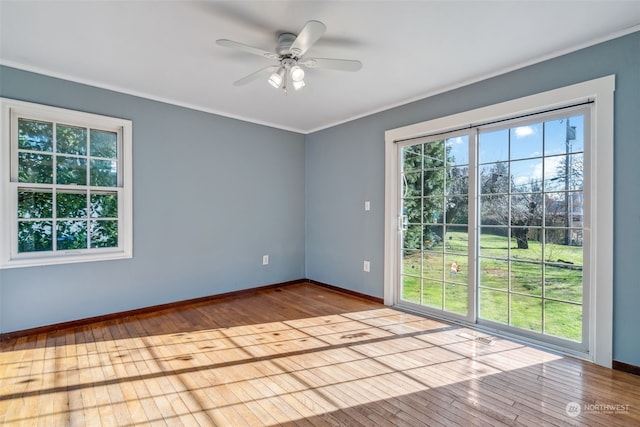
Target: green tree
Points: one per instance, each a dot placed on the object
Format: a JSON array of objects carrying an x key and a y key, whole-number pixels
[
  {"x": 69, "y": 154},
  {"x": 423, "y": 193}
]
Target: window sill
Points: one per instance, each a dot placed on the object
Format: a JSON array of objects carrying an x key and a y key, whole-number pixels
[{"x": 64, "y": 259}]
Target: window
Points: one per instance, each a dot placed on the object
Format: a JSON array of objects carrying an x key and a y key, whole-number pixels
[
  {"x": 66, "y": 186},
  {"x": 534, "y": 259}
]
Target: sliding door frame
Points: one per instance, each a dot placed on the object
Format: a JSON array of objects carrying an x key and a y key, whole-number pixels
[{"x": 601, "y": 93}]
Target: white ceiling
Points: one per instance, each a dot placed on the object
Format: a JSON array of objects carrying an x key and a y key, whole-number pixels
[{"x": 166, "y": 50}]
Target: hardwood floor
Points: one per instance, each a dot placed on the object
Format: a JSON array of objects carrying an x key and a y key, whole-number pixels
[{"x": 299, "y": 355}]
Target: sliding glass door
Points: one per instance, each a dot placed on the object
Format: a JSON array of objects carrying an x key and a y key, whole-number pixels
[
  {"x": 435, "y": 218},
  {"x": 492, "y": 226},
  {"x": 531, "y": 226}
]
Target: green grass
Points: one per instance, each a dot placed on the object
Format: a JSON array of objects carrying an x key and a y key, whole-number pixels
[
  {"x": 427, "y": 280},
  {"x": 497, "y": 246}
]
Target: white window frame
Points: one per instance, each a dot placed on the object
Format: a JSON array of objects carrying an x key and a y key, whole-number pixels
[
  {"x": 9, "y": 256},
  {"x": 600, "y": 188}
]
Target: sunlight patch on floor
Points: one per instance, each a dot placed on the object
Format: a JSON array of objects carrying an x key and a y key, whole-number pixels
[{"x": 277, "y": 371}]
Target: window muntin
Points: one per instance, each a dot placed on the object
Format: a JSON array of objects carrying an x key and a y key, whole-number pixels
[{"x": 68, "y": 186}]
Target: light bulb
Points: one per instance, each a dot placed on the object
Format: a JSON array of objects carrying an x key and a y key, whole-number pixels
[
  {"x": 297, "y": 73},
  {"x": 276, "y": 78},
  {"x": 299, "y": 85}
]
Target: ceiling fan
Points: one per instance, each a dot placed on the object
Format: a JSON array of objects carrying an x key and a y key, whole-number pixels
[{"x": 289, "y": 53}]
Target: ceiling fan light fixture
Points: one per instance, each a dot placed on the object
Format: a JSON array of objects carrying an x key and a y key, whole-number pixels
[
  {"x": 297, "y": 73},
  {"x": 299, "y": 85},
  {"x": 276, "y": 78},
  {"x": 290, "y": 53}
]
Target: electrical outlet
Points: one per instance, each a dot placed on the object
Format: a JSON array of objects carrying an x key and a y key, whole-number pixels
[
  {"x": 366, "y": 266},
  {"x": 265, "y": 259},
  {"x": 367, "y": 205}
]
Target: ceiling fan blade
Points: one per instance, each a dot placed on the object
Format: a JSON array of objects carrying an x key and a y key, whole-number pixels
[
  {"x": 254, "y": 76},
  {"x": 310, "y": 34},
  {"x": 332, "y": 64},
  {"x": 246, "y": 48}
]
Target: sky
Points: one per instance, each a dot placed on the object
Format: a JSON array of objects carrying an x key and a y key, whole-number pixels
[{"x": 525, "y": 146}]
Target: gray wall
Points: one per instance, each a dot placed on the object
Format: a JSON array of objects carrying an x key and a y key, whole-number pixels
[
  {"x": 211, "y": 196},
  {"x": 345, "y": 167}
]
